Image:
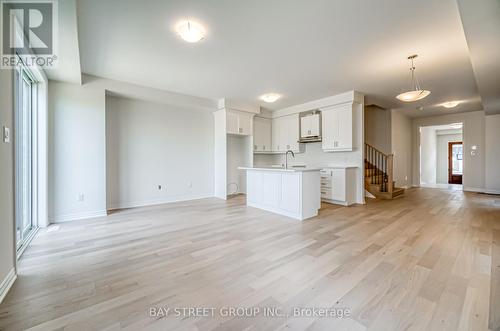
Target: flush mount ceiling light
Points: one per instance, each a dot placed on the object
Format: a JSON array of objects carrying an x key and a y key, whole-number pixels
[
  {"x": 270, "y": 97},
  {"x": 450, "y": 104},
  {"x": 190, "y": 31},
  {"x": 416, "y": 92}
]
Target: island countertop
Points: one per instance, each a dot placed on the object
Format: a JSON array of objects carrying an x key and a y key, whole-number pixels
[{"x": 290, "y": 169}]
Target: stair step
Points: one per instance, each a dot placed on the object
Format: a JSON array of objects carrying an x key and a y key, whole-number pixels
[{"x": 375, "y": 190}]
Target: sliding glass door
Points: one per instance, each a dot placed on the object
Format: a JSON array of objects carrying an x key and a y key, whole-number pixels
[{"x": 24, "y": 128}]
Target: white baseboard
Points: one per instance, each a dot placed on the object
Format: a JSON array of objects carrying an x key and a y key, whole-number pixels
[
  {"x": 492, "y": 191},
  {"x": 473, "y": 189},
  {"x": 77, "y": 216},
  {"x": 144, "y": 203},
  {"x": 7, "y": 283}
]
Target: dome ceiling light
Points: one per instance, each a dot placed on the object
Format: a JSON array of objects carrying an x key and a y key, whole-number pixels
[
  {"x": 416, "y": 92},
  {"x": 270, "y": 97},
  {"x": 190, "y": 31},
  {"x": 450, "y": 104}
]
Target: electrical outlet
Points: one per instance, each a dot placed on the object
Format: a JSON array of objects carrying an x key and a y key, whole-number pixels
[
  {"x": 406, "y": 177},
  {"x": 81, "y": 197},
  {"x": 6, "y": 134},
  {"x": 190, "y": 184}
]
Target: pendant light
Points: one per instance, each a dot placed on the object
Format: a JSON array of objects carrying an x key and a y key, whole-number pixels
[{"x": 416, "y": 92}]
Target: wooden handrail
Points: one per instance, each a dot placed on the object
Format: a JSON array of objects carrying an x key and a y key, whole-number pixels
[
  {"x": 382, "y": 168},
  {"x": 378, "y": 150},
  {"x": 390, "y": 173}
]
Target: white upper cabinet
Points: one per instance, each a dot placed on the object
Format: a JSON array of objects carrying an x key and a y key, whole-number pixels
[
  {"x": 309, "y": 126},
  {"x": 285, "y": 134},
  {"x": 337, "y": 128},
  {"x": 293, "y": 132},
  {"x": 238, "y": 122},
  {"x": 262, "y": 135}
]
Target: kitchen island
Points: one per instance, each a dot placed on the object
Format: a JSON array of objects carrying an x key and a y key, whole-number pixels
[{"x": 293, "y": 192}]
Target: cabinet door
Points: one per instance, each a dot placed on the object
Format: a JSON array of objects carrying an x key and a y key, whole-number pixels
[
  {"x": 245, "y": 124},
  {"x": 290, "y": 193},
  {"x": 338, "y": 184},
  {"x": 314, "y": 125},
  {"x": 293, "y": 132},
  {"x": 329, "y": 129},
  {"x": 337, "y": 128},
  {"x": 344, "y": 131},
  {"x": 271, "y": 188},
  {"x": 284, "y": 144},
  {"x": 231, "y": 122},
  {"x": 255, "y": 186},
  {"x": 276, "y": 126},
  {"x": 258, "y": 134},
  {"x": 305, "y": 126},
  {"x": 266, "y": 136},
  {"x": 262, "y": 134}
]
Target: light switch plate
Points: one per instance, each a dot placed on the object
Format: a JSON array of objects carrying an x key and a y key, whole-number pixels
[{"x": 6, "y": 134}]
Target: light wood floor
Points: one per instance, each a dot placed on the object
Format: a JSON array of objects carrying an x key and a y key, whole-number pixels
[{"x": 426, "y": 261}]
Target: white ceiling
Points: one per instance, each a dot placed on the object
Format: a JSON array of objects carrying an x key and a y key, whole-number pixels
[
  {"x": 481, "y": 21},
  {"x": 304, "y": 50}
]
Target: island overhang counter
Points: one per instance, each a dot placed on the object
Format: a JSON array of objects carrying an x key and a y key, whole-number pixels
[{"x": 294, "y": 192}]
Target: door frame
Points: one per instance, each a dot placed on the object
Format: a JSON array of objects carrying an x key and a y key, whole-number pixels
[{"x": 450, "y": 163}]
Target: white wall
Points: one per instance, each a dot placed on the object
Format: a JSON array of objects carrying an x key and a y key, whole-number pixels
[
  {"x": 473, "y": 135},
  {"x": 378, "y": 128},
  {"x": 7, "y": 244},
  {"x": 492, "y": 149},
  {"x": 151, "y": 144},
  {"x": 442, "y": 154},
  {"x": 220, "y": 154},
  {"x": 237, "y": 156},
  {"x": 77, "y": 159},
  {"x": 428, "y": 155},
  {"x": 401, "y": 148}
]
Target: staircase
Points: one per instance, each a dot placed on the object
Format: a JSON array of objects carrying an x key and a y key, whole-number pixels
[{"x": 379, "y": 174}]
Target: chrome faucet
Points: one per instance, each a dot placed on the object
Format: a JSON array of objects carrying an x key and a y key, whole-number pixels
[{"x": 286, "y": 157}]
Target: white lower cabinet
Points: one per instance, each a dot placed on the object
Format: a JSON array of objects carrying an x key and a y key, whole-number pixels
[
  {"x": 338, "y": 185},
  {"x": 291, "y": 193}
]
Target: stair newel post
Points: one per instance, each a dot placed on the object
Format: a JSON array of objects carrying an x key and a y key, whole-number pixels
[{"x": 390, "y": 173}]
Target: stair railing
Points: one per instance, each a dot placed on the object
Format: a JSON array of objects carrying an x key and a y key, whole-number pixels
[{"x": 381, "y": 167}]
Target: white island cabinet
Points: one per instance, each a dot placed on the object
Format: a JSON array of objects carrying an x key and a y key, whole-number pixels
[{"x": 291, "y": 192}]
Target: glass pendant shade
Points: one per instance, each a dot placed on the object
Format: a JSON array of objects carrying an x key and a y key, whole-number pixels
[
  {"x": 416, "y": 92},
  {"x": 413, "y": 95}
]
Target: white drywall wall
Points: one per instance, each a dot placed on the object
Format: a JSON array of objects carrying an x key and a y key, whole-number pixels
[
  {"x": 7, "y": 245},
  {"x": 428, "y": 155},
  {"x": 492, "y": 140},
  {"x": 151, "y": 145},
  {"x": 378, "y": 128},
  {"x": 401, "y": 148},
  {"x": 77, "y": 159}
]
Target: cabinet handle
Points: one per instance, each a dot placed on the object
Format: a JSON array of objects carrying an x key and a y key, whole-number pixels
[
  {"x": 264, "y": 147},
  {"x": 308, "y": 131},
  {"x": 287, "y": 146},
  {"x": 240, "y": 130},
  {"x": 255, "y": 147}
]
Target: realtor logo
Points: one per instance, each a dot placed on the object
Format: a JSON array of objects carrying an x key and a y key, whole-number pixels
[{"x": 28, "y": 32}]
